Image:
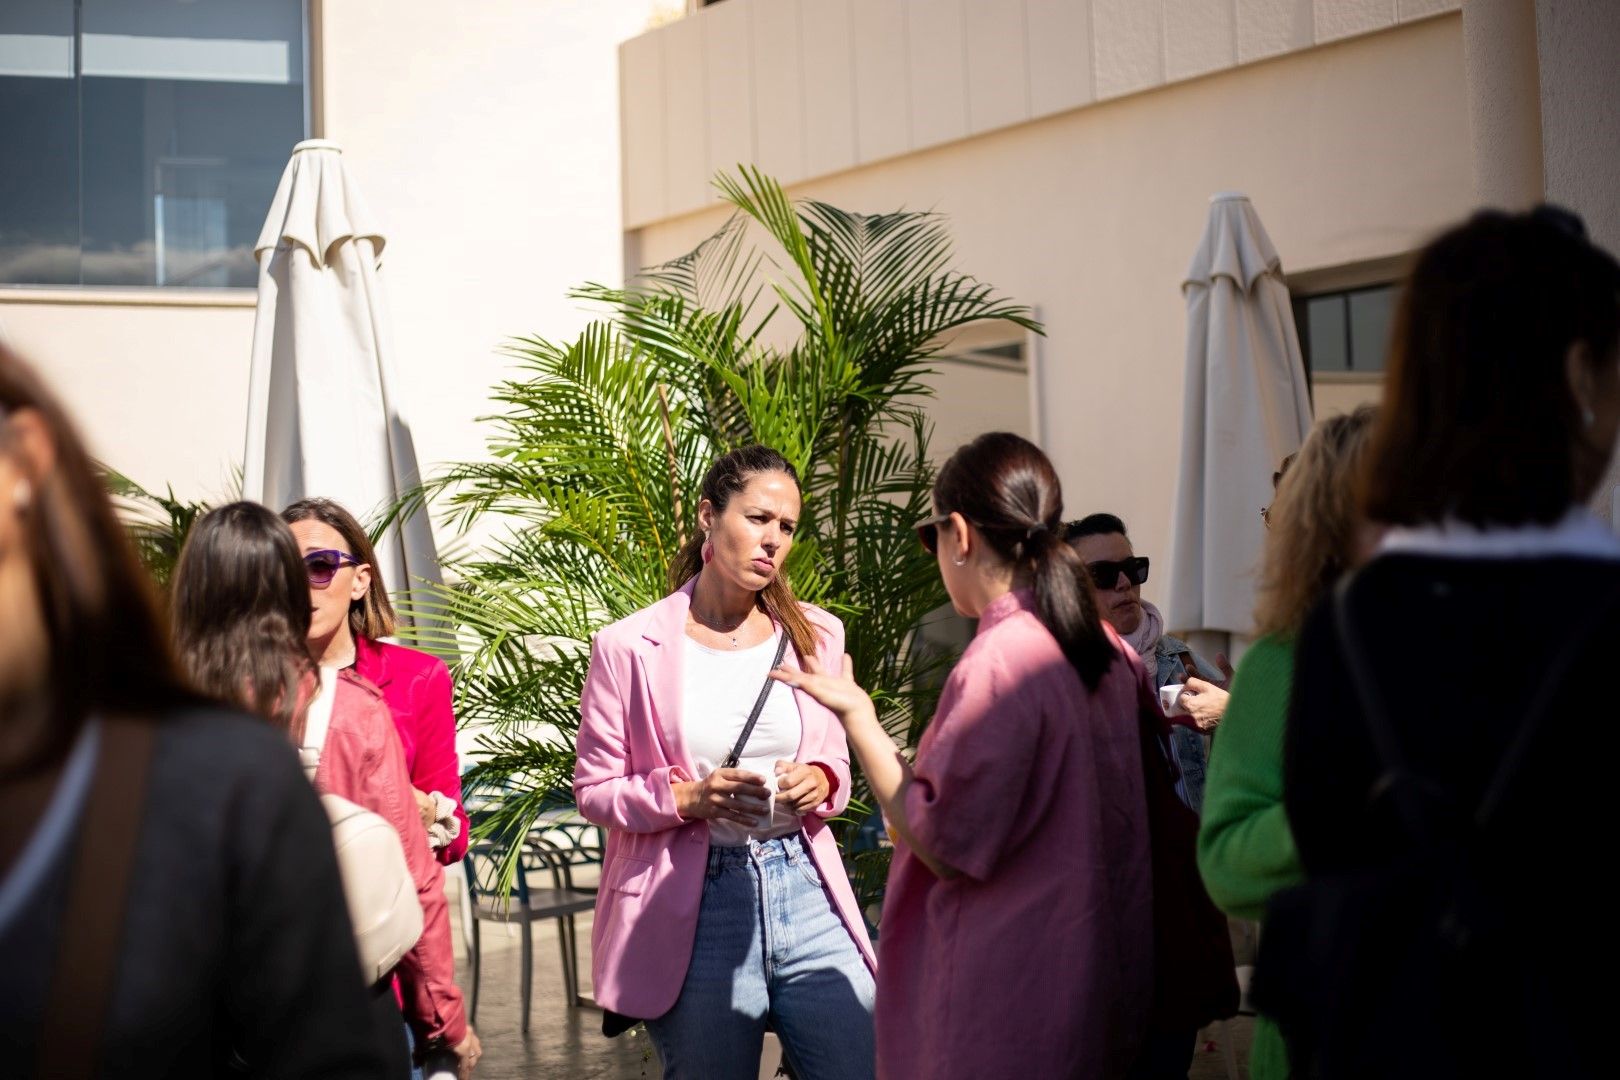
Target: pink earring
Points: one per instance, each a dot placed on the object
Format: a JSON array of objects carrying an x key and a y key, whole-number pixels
[{"x": 708, "y": 549}]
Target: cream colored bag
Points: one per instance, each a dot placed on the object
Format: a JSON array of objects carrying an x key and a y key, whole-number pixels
[{"x": 383, "y": 906}]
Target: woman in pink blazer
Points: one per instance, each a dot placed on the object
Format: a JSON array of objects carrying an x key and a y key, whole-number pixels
[
  {"x": 724, "y": 905},
  {"x": 1017, "y": 927},
  {"x": 240, "y": 621},
  {"x": 350, "y": 616}
]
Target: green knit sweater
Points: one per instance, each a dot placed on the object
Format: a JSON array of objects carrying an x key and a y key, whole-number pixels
[{"x": 1245, "y": 848}]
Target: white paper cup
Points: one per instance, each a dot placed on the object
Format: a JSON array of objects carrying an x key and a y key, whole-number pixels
[{"x": 1170, "y": 699}]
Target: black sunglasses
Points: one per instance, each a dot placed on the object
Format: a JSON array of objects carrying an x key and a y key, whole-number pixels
[
  {"x": 1106, "y": 574},
  {"x": 322, "y": 566},
  {"x": 928, "y": 531}
]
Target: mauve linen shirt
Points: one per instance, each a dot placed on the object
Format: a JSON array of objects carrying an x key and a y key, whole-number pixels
[{"x": 1037, "y": 960}]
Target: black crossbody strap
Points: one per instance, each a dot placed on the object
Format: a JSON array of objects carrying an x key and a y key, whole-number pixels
[{"x": 759, "y": 706}]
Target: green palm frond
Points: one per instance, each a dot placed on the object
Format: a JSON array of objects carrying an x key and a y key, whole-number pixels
[{"x": 158, "y": 524}]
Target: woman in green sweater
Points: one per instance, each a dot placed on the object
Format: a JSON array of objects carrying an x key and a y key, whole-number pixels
[{"x": 1245, "y": 849}]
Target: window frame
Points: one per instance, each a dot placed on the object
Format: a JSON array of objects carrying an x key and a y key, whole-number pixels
[
  {"x": 310, "y": 16},
  {"x": 1344, "y": 281}
]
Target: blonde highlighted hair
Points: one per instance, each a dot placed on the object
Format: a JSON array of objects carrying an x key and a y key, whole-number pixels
[{"x": 1315, "y": 522}]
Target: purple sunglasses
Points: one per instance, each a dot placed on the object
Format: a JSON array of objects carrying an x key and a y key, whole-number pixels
[{"x": 322, "y": 566}]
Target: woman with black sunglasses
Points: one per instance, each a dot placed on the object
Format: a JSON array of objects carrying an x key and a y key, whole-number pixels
[
  {"x": 1119, "y": 574},
  {"x": 1017, "y": 931}
]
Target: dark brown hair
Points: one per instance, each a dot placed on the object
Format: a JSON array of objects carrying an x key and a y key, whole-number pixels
[
  {"x": 241, "y": 613},
  {"x": 1314, "y": 524},
  {"x": 1479, "y": 422},
  {"x": 108, "y": 645},
  {"x": 1005, "y": 486},
  {"x": 725, "y": 478},
  {"x": 371, "y": 616}
]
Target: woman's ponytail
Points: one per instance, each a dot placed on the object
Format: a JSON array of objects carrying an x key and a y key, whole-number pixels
[
  {"x": 1007, "y": 488},
  {"x": 1068, "y": 606}
]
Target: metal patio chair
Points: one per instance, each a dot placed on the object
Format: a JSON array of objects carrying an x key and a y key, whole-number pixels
[{"x": 525, "y": 903}]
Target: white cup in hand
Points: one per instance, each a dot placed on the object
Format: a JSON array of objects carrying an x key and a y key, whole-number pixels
[
  {"x": 773, "y": 784},
  {"x": 1170, "y": 699}
]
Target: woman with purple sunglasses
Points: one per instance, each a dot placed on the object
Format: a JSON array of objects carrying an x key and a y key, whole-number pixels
[{"x": 350, "y": 615}]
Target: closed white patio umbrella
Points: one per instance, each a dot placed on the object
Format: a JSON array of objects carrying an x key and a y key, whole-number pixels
[
  {"x": 1247, "y": 407},
  {"x": 323, "y": 407}
]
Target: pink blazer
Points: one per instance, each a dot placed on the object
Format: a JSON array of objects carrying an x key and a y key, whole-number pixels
[
  {"x": 416, "y": 686},
  {"x": 630, "y": 751},
  {"x": 362, "y": 761}
]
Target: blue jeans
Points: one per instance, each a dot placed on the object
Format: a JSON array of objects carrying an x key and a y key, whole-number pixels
[{"x": 770, "y": 950}]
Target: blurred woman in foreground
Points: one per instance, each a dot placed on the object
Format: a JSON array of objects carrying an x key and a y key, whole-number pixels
[
  {"x": 1443, "y": 703},
  {"x": 169, "y": 899}
]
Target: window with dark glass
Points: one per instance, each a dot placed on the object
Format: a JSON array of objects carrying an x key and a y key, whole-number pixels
[
  {"x": 144, "y": 138},
  {"x": 1345, "y": 332}
]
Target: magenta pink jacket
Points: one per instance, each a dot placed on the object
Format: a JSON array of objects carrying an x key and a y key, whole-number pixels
[
  {"x": 630, "y": 751},
  {"x": 416, "y": 686},
  {"x": 362, "y": 760}
]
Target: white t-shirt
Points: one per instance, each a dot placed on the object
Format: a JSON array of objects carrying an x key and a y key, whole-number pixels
[
  {"x": 316, "y": 722},
  {"x": 720, "y": 691}
]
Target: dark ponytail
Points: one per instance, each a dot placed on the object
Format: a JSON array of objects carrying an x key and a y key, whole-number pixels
[
  {"x": 1005, "y": 486},
  {"x": 725, "y": 478}
]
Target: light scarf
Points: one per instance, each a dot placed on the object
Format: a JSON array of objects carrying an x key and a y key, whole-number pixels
[{"x": 1145, "y": 638}]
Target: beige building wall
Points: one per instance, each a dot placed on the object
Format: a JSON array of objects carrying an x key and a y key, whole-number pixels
[
  {"x": 156, "y": 378},
  {"x": 485, "y": 140},
  {"x": 1353, "y": 151}
]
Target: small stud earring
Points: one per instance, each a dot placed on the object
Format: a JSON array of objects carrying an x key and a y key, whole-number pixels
[{"x": 958, "y": 562}]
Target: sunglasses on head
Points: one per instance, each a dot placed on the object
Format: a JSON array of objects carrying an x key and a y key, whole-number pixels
[
  {"x": 322, "y": 566},
  {"x": 1106, "y": 574}
]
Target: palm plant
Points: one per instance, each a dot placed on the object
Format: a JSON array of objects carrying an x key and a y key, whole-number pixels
[
  {"x": 817, "y": 349},
  {"x": 157, "y": 524}
]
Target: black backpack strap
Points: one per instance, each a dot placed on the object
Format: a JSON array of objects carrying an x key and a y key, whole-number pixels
[
  {"x": 1386, "y": 739},
  {"x": 1541, "y": 705},
  {"x": 1380, "y": 724},
  {"x": 759, "y": 706}
]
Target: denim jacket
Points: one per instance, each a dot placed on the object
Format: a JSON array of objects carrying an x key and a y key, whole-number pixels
[{"x": 1185, "y": 743}]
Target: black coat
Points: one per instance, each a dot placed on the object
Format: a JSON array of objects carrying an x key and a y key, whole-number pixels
[
  {"x": 1459, "y": 647},
  {"x": 237, "y": 944}
]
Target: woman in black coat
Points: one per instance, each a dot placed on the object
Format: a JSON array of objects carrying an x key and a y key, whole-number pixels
[
  {"x": 1443, "y": 709},
  {"x": 169, "y": 896}
]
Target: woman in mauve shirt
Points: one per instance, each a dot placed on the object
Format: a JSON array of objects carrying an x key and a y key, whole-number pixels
[{"x": 1016, "y": 936}]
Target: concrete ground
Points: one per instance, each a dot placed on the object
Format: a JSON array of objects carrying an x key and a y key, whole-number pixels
[{"x": 567, "y": 1044}]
